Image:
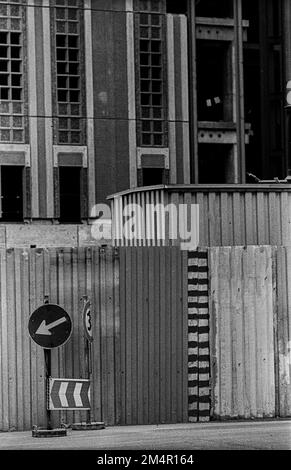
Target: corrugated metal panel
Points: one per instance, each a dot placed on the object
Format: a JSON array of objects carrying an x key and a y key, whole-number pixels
[
  {"x": 139, "y": 303},
  {"x": 140, "y": 306},
  {"x": 153, "y": 334},
  {"x": 229, "y": 216},
  {"x": 20, "y": 360},
  {"x": 242, "y": 345},
  {"x": 65, "y": 275},
  {"x": 282, "y": 327}
]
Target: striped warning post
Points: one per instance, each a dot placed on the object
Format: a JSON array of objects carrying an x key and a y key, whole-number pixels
[
  {"x": 68, "y": 394},
  {"x": 198, "y": 337}
]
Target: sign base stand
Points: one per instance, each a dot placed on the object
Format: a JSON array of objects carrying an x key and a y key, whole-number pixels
[
  {"x": 88, "y": 426},
  {"x": 36, "y": 432}
]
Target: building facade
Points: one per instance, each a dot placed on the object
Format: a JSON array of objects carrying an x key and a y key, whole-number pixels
[{"x": 103, "y": 96}]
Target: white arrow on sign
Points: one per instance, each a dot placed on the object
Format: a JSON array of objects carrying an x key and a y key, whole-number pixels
[
  {"x": 77, "y": 394},
  {"x": 44, "y": 329},
  {"x": 63, "y": 391}
]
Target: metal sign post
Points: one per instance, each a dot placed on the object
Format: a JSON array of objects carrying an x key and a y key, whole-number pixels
[
  {"x": 50, "y": 327},
  {"x": 87, "y": 322},
  {"x": 48, "y": 368},
  {"x": 88, "y": 333}
]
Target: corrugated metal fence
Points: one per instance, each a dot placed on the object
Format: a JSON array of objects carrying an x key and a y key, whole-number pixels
[
  {"x": 139, "y": 300},
  {"x": 145, "y": 330},
  {"x": 250, "y": 331}
]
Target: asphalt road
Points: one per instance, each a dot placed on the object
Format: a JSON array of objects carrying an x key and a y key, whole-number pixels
[{"x": 259, "y": 435}]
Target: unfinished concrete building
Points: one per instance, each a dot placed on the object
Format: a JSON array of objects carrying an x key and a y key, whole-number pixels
[{"x": 101, "y": 96}]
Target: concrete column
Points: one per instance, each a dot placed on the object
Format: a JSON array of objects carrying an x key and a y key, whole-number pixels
[{"x": 287, "y": 37}]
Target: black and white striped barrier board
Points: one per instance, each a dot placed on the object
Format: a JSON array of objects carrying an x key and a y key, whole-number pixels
[
  {"x": 198, "y": 337},
  {"x": 69, "y": 394}
]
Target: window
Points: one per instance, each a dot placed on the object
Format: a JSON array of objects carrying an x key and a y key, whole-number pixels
[
  {"x": 70, "y": 194},
  {"x": 69, "y": 73},
  {"x": 12, "y": 23},
  {"x": 150, "y": 31},
  {"x": 214, "y": 8},
  {"x": 266, "y": 154},
  {"x": 177, "y": 7},
  {"x": 12, "y": 193},
  {"x": 214, "y": 82}
]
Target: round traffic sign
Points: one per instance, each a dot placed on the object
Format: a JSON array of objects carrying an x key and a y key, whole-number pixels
[
  {"x": 50, "y": 326},
  {"x": 87, "y": 321}
]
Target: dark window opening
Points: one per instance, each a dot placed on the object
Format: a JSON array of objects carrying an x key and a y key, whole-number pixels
[
  {"x": 3, "y": 52},
  {"x": 215, "y": 164},
  {"x": 3, "y": 66},
  {"x": 266, "y": 154},
  {"x": 3, "y": 38},
  {"x": 4, "y": 93},
  {"x": 16, "y": 94},
  {"x": 214, "y": 81},
  {"x": 177, "y": 7},
  {"x": 250, "y": 12},
  {"x": 15, "y": 66},
  {"x": 4, "y": 80},
  {"x": 15, "y": 38},
  {"x": 70, "y": 194},
  {"x": 252, "y": 94},
  {"x": 214, "y": 8},
  {"x": 152, "y": 176},
  {"x": 12, "y": 193}
]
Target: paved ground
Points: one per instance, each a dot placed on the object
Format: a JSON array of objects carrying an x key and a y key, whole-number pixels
[{"x": 268, "y": 435}]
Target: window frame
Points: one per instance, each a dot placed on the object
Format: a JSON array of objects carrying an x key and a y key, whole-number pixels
[
  {"x": 23, "y": 102},
  {"x": 140, "y": 120},
  {"x": 69, "y": 116}
]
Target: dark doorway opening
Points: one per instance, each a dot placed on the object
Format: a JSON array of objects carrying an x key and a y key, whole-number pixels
[
  {"x": 215, "y": 164},
  {"x": 70, "y": 194},
  {"x": 152, "y": 176},
  {"x": 12, "y": 193}
]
